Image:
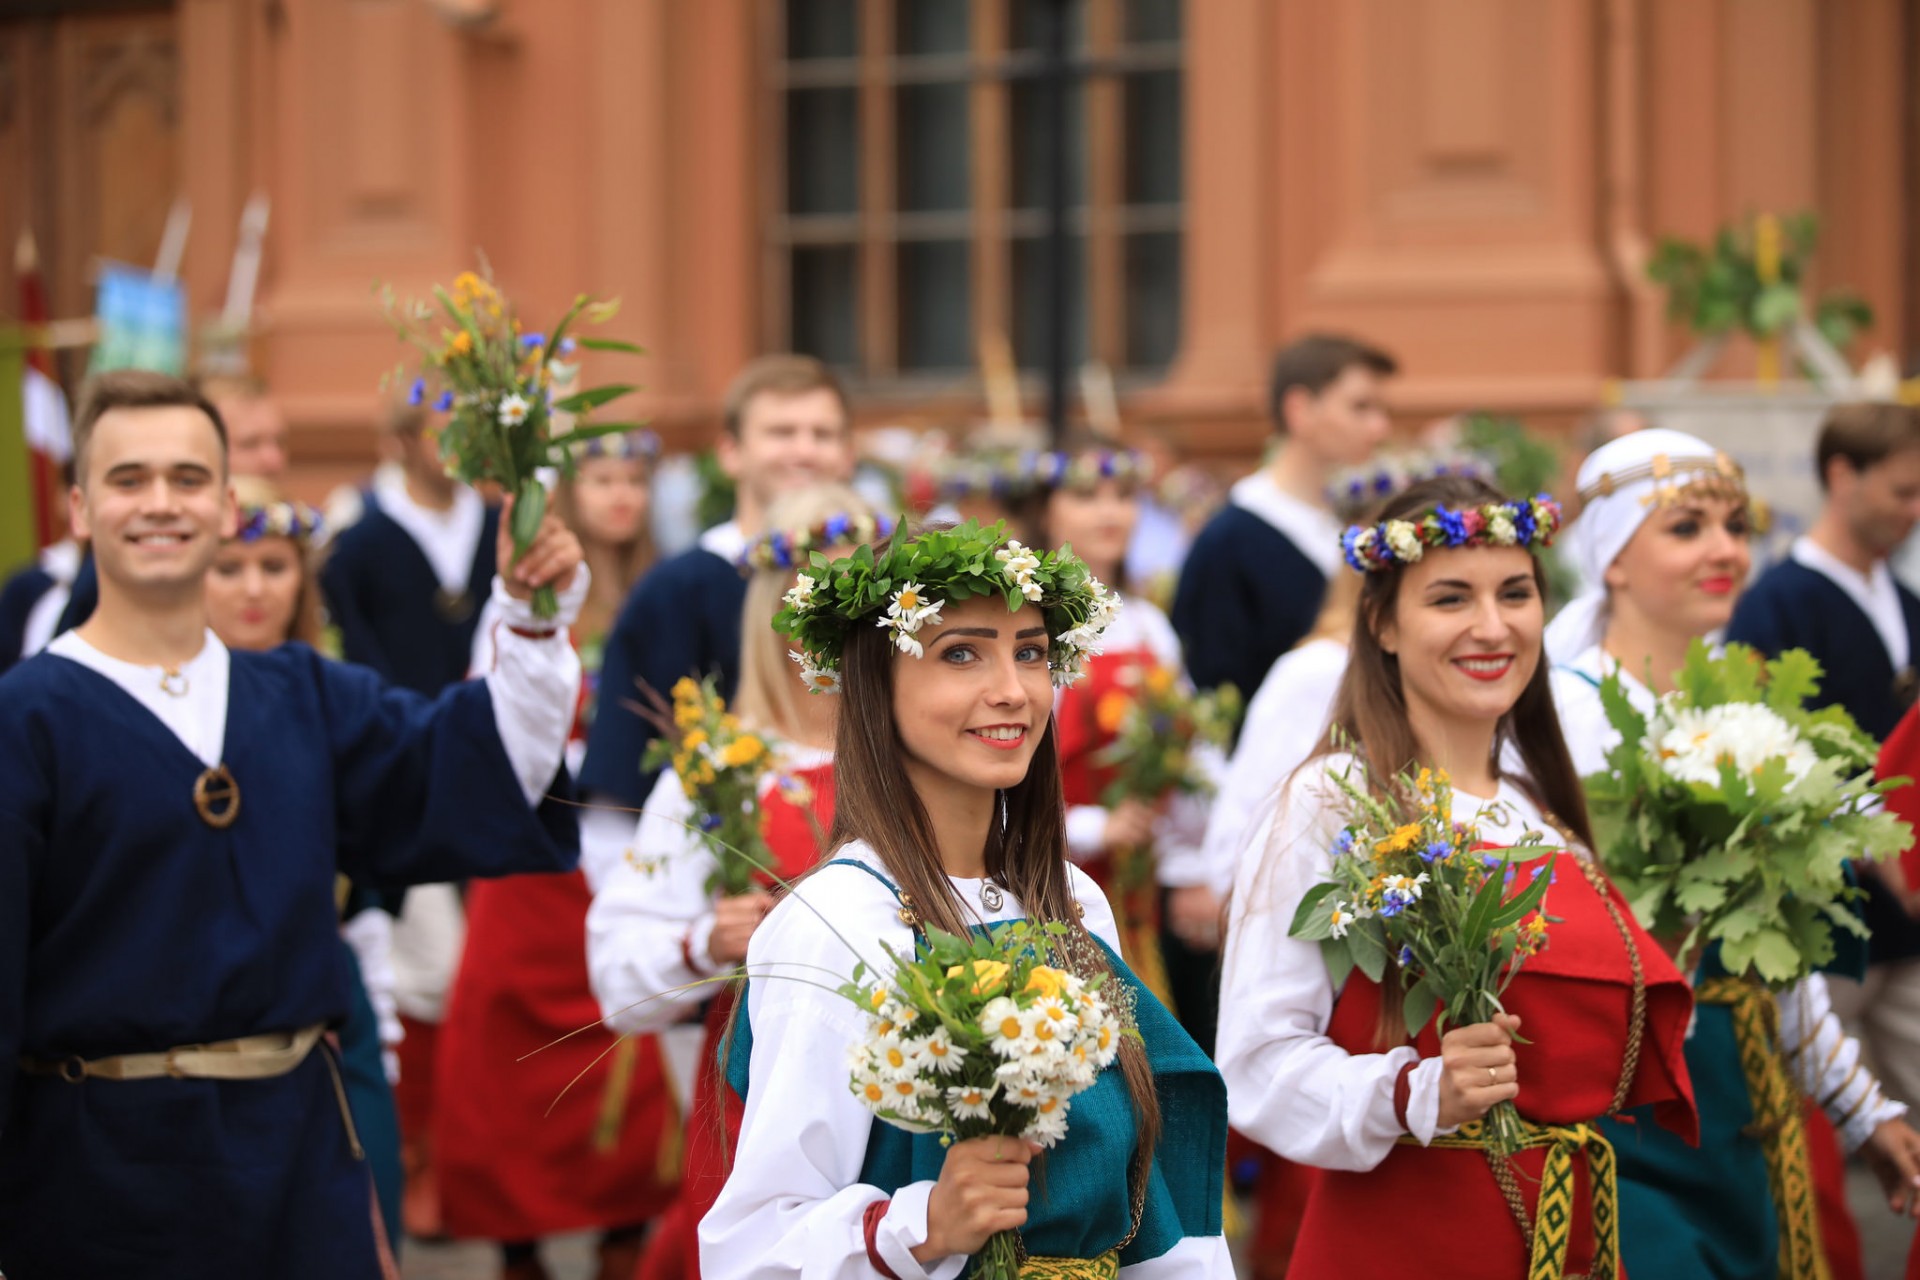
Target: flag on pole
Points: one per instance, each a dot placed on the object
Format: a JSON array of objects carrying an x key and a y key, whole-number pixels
[{"x": 46, "y": 433}]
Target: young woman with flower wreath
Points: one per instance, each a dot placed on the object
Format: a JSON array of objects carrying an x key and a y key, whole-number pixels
[
  {"x": 1663, "y": 542},
  {"x": 533, "y": 1138},
  {"x": 659, "y": 930},
  {"x": 1446, "y": 672},
  {"x": 948, "y": 815}
]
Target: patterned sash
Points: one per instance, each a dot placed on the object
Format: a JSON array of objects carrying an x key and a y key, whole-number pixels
[
  {"x": 1552, "y": 1229},
  {"x": 1776, "y": 1121}
]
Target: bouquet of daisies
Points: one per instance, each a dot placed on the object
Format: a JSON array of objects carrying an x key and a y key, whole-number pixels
[
  {"x": 983, "y": 1035},
  {"x": 721, "y": 767},
  {"x": 1413, "y": 890},
  {"x": 1728, "y": 815},
  {"x": 496, "y": 386}
]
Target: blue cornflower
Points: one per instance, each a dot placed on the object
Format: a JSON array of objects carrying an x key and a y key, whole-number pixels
[
  {"x": 1343, "y": 843},
  {"x": 445, "y": 402},
  {"x": 417, "y": 392},
  {"x": 532, "y": 340},
  {"x": 1508, "y": 878},
  {"x": 1489, "y": 861},
  {"x": 1406, "y": 956},
  {"x": 1382, "y": 484},
  {"x": 1391, "y": 907},
  {"x": 836, "y": 527},
  {"x": 1347, "y": 541},
  {"x": 709, "y": 822},
  {"x": 1454, "y": 525},
  {"x": 566, "y": 346},
  {"x": 1523, "y": 521},
  {"x": 1435, "y": 851},
  {"x": 1535, "y": 874}
]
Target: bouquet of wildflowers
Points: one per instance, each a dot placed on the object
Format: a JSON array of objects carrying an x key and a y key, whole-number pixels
[
  {"x": 983, "y": 1035},
  {"x": 1157, "y": 720},
  {"x": 721, "y": 767},
  {"x": 1728, "y": 815},
  {"x": 1413, "y": 889},
  {"x": 496, "y": 386}
]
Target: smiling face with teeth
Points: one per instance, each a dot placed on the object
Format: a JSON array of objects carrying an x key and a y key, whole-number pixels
[
  {"x": 154, "y": 500},
  {"x": 972, "y": 710},
  {"x": 1466, "y": 627}
]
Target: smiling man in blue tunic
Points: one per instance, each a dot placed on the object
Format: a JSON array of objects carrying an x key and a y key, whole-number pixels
[{"x": 172, "y": 818}]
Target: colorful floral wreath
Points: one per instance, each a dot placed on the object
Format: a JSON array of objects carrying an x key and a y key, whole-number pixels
[
  {"x": 789, "y": 548},
  {"x": 1089, "y": 467},
  {"x": 904, "y": 584},
  {"x": 294, "y": 520},
  {"x": 644, "y": 445},
  {"x": 1393, "y": 544}
]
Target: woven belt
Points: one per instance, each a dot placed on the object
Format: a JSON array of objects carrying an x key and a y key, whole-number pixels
[
  {"x": 1550, "y": 1229},
  {"x": 259, "y": 1057},
  {"x": 1777, "y": 1121},
  {"x": 1104, "y": 1267}
]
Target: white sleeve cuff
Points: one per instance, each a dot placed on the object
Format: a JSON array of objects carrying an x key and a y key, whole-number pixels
[
  {"x": 535, "y": 682},
  {"x": 903, "y": 1229},
  {"x": 1423, "y": 1100},
  {"x": 699, "y": 939},
  {"x": 1086, "y": 832}
]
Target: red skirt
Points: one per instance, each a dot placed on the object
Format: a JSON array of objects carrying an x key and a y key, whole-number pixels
[
  {"x": 713, "y": 1131},
  {"x": 581, "y": 1134},
  {"x": 1439, "y": 1213}
]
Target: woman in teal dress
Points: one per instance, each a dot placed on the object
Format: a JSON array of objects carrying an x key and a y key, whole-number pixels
[
  {"x": 949, "y": 815},
  {"x": 1663, "y": 544}
]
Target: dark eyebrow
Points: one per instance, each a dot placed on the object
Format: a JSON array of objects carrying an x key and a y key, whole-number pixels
[
  {"x": 1029, "y": 633},
  {"x": 1457, "y": 584},
  {"x": 985, "y": 633}
]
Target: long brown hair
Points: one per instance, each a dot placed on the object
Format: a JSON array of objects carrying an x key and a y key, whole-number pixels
[
  {"x": 616, "y": 567},
  {"x": 875, "y": 802}
]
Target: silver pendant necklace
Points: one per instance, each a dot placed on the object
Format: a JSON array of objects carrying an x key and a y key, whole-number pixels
[{"x": 990, "y": 896}]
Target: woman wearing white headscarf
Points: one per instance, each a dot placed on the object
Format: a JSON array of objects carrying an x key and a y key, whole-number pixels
[{"x": 1662, "y": 545}]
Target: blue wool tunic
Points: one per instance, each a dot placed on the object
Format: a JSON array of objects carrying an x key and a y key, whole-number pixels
[
  {"x": 1247, "y": 595},
  {"x": 22, "y": 591},
  {"x": 681, "y": 619},
  {"x": 380, "y": 592},
  {"x": 129, "y": 925},
  {"x": 1795, "y": 607}
]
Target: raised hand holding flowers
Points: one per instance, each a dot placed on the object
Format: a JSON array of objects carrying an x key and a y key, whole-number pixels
[{"x": 496, "y": 384}]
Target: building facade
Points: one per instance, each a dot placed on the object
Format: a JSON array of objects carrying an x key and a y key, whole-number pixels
[{"x": 1474, "y": 184}]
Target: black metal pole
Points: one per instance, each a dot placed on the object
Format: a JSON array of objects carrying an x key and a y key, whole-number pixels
[{"x": 1059, "y": 302}]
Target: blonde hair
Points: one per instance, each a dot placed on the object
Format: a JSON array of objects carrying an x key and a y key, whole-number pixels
[{"x": 769, "y": 681}]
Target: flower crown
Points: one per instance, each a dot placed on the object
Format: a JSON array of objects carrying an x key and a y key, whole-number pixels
[
  {"x": 789, "y": 548},
  {"x": 1089, "y": 467},
  {"x": 1393, "y": 544},
  {"x": 624, "y": 445},
  {"x": 294, "y": 520},
  {"x": 904, "y": 584}
]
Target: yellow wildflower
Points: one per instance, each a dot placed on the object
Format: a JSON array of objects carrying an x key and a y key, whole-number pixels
[
  {"x": 1111, "y": 711},
  {"x": 1401, "y": 840},
  {"x": 1159, "y": 682},
  {"x": 460, "y": 344},
  {"x": 1047, "y": 981},
  {"x": 743, "y": 750},
  {"x": 693, "y": 741},
  {"x": 989, "y": 976}
]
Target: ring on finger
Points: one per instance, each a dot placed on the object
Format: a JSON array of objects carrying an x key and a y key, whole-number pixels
[{"x": 1493, "y": 1075}]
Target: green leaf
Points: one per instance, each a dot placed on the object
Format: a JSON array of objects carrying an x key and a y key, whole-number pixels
[
  {"x": 1339, "y": 958},
  {"x": 1793, "y": 679},
  {"x": 1313, "y": 920},
  {"x": 1776, "y": 307},
  {"x": 529, "y": 509},
  {"x": 1368, "y": 950},
  {"x": 1775, "y": 957},
  {"x": 611, "y": 344},
  {"x": 1418, "y": 1005},
  {"x": 592, "y": 431},
  {"x": 594, "y": 397}
]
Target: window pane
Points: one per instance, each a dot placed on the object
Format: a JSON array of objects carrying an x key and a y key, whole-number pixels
[
  {"x": 1031, "y": 306},
  {"x": 824, "y": 302},
  {"x": 1152, "y": 137},
  {"x": 933, "y": 26},
  {"x": 822, "y": 28},
  {"x": 936, "y": 306},
  {"x": 822, "y": 151},
  {"x": 1032, "y": 149},
  {"x": 933, "y": 147},
  {"x": 1152, "y": 21},
  {"x": 1153, "y": 298},
  {"x": 1026, "y": 23}
]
